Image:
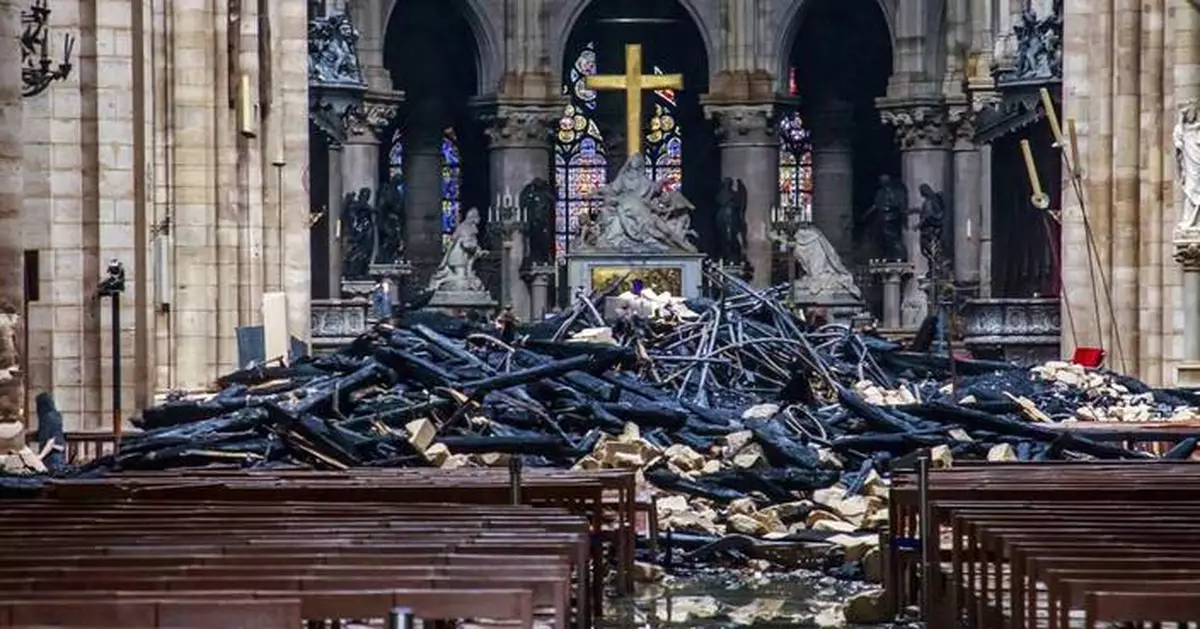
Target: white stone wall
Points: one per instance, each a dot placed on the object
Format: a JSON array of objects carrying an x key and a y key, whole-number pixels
[{"x": 85, "y": 162}]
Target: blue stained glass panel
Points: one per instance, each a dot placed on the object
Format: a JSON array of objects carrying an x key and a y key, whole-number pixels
[{"x": 451, "y": 184}]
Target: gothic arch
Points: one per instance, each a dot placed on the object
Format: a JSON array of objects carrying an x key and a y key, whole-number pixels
[
  {"x": 563, "y": 22},
  {"x": 480, "y": 17},
  {"x": 785, "y": 37}
]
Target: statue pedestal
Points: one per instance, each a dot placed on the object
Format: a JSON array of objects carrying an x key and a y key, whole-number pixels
[
  {"x": 396, "y": 272},
  {"x": 840, "y": 307},
  {"x": 357, "y": 289},
  {"x": 679, "y": 274},
  {"x": 460, "y": 303}
]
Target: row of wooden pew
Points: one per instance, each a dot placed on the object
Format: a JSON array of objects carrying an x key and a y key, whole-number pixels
[
  {"x": 1047, "y": 545},
  {"x": 273, "y": 547}
]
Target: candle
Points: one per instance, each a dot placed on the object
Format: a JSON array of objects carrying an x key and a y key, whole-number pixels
[{"x": 497, "y": 199}]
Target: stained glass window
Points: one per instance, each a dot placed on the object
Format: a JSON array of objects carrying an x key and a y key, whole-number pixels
[
  {"x": 795, "y": 165},
  {"x": 396, "y": 160},
  {"x": 664, "y": 144},
  {"x": 579, "y": 162},
  {"x": 451, "y": 184}
]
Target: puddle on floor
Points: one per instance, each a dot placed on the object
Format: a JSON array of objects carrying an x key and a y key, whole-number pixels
[{"x": 720, "y": 599}]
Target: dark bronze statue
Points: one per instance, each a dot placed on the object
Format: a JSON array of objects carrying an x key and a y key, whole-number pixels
[
  {"x": 932, "y": 226},
  {"x": 888, "y": 215},
  {"x": 358, "y": 234},
  {"x": 537, "y": 201},
  {"x": 731, "y": 221},
  {"x": 389, "y": 223}
]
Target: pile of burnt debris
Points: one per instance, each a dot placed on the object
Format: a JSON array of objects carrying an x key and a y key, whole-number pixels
[{"x": 743, "y": 420}]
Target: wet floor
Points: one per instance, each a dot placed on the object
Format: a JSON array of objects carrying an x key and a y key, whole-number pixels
[{"x": 715, "y": 600}]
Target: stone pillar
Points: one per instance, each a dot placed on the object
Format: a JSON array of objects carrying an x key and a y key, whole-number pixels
[
  {"x": 1187, "y": 254},
  {"x": 423, "y": 186},
  {"x": 539, "y": 281},
  {"x": 833, "y": 173},
  {"x": 359, "y": 161},
  {"x": 749, "y": 142},
  {"x": 1186, "y": 75},
  {"x": 333, "y": 218},
  {"x": 12, "y": 289},
  {"x": 923, "y": 136},
  {"x": 967, "y": 202},
  {"x": 519, "y": 149}
]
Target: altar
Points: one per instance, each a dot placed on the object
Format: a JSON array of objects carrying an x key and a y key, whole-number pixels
[
  {"x": 642, "y": 229},
  {"x": 678, "y": 273}
]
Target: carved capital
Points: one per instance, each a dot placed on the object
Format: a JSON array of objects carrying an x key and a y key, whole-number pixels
[
  {"x": 962, "y": 126},
  {"x": 521, "y": 126},
  {"x": 1187, "y": 254},
  {"x": 745, "y": 124},
  {"x": 370, "y": 120},
  {"x": 919, "y": 126}
]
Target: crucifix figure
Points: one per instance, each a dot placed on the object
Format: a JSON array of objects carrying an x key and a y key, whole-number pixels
[{"x": 633, "y": 83}]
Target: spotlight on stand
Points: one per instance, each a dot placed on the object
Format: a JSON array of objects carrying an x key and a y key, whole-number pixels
[
  {"x": 112, "y": 286},
  {"x": 37, "y": 69}
]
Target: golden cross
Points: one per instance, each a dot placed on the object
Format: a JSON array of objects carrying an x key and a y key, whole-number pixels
[{"x": 633, "y": 83}]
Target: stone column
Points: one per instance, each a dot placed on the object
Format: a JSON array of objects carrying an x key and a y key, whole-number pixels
[
  {"x": 12, "y": 289},
  {"x": 423, "y": 186},
  {"x": 1187, "y": 254},
  {"x": 519, "y": 146},
  {"x": 1186, "y": 74},
  {"x": 833, "y": 173},
  {"x": 923, "y": 136},
  {"x": 333, "y": 218},
  {"x": 967, "y": 202},
  {"x": 749, "y": 142}
]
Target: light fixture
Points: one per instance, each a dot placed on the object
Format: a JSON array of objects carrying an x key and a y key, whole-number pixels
[{"x": 37, "y": 70}]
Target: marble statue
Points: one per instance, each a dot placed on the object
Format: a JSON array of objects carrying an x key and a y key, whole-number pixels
[
  {"x": 358, "y": 234},
  {"x": 888, "y": 215},
  {"x": 333, "y": 51},
  {"x": 731, "y": 221},
  {"x": 1186, "y": 137},
  {"x": 456, "y": 272},
  {"x": 389, "y": 222},
  {"x": 639, "y": 215},
  {"x": 537, "y": 204},
  {"x": 933, "y": 220},
  {"x": 826, "y": 279}
]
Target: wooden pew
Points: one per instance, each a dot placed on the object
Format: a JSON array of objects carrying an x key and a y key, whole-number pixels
[
  {"x": 104, "y": 533},
  {"x": 152, "y": 535},
  {"x": 277, "y": 613},
  {"x": 1011, "y": 527}
]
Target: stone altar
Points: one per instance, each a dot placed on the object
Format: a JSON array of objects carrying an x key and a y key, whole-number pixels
[{"x": 643, "y": 229}]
